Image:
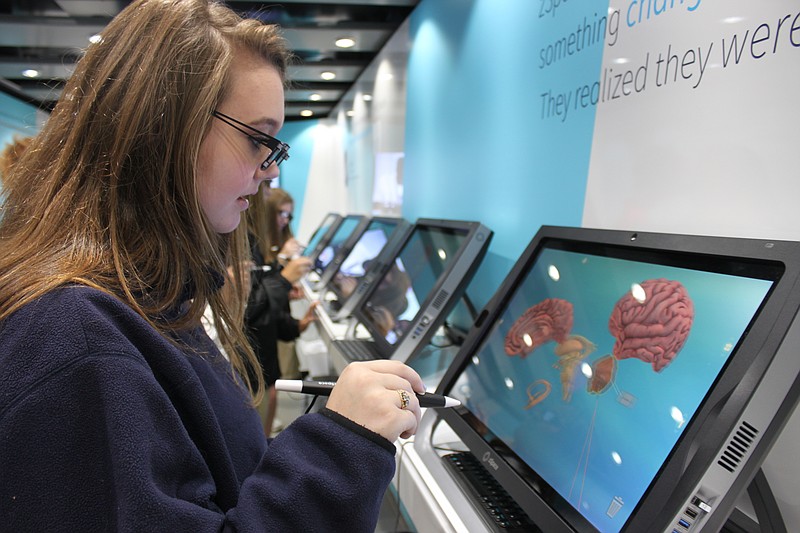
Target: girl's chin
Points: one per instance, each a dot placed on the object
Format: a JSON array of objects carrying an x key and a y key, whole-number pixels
[{"x": 227, "y": 226}]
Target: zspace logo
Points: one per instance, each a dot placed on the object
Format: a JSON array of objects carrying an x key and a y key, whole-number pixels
[{"x": 487, "y": 458}]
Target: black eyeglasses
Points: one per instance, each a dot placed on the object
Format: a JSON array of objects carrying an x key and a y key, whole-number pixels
[
  {"x": 278, "y": 150},
  {"x": 287, "y": 215}
]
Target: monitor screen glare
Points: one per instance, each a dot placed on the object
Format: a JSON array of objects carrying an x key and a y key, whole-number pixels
[
  {"x": 366, "y": 249},
  {"x": 407, "y": 283},
  {"x": 319, "y": 234},
  {"x": 327, "y": 254}
]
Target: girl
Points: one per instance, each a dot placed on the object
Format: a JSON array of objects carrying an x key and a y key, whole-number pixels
[
  {"x": 117, "y": 412},
  {"x": 268, "y": 317}
]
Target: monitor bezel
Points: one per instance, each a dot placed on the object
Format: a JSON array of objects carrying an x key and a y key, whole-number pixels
[
  {"x": 336, "y": 265},
  {"x": 470, "y": 228},
  {"x": 344, "y": 249},
  {"x": 716, "y": 416},
  {"x": 347, "y": 306},
  {"x": 327, "y": 235}
]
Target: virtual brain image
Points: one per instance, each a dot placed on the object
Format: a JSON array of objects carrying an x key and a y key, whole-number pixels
[
  {"x": 652, "y": 325},
  {"x": 550, "y": 319}
]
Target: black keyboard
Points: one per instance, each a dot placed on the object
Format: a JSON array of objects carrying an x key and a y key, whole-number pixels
[
  {"x": 500, "y": 510},
  {"x": 357, "y": 349}
]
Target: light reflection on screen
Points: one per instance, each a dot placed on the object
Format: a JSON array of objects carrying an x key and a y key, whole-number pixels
[
  {"x": 341, "y": 234},
  {"x": 361, "y": 257},
  {"x": 319, "y": 234},
  {"x": 409, "y": 281}
]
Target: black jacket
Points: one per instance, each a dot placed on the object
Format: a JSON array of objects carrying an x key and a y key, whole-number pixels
[{"x": 268, "y": 316}]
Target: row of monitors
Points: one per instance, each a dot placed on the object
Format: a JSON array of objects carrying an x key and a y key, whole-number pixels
[
  {"x": 400, "y": 280},
  {"x": 623, "y": 381}
]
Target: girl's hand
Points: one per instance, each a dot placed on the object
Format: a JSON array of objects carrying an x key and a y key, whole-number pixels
[
  {"x": 296, "y": 268},
  {"x": 368, "y": 393}
]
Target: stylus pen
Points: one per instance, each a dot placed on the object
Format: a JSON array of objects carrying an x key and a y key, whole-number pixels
[{"x": 324, "y": 388}]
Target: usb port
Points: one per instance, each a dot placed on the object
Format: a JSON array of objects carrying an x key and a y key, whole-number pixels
[
  {"x": 697, "y": 502},
  {"x": 683, "y": 523},
  {"x": 691, "y": 513}
]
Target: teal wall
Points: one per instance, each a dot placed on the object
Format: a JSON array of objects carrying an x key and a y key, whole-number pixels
[
  {"x": 17, "y": 119},
  {"x": 294, "y": 172},
  {"x": 477, "y": 144}
]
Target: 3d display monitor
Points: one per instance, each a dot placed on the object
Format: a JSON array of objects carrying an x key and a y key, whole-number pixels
[
  {"x": 321, "y": 236},
  {"x": 422, "y": 282},
  {"x": 337, "y": 247},
  {"x": 351, "y": 277},
  {"x": 631, "y": 382}
]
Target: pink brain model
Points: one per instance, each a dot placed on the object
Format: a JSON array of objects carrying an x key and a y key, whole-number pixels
[
  {"x": 654, "y": 329},
  {"x": 550, "y": 319}
]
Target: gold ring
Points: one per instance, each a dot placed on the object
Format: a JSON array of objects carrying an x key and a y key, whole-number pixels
[{"x": 404, "y": 398}]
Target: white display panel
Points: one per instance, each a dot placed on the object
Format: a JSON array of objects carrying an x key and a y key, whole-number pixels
[{"x": 694, "y": 130}]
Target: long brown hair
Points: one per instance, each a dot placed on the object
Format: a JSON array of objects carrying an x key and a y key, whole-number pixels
[
  {"x": 262, "y": 218},
  {"x": 107, "y": 194},
  {"x": 277, "y": 198}
]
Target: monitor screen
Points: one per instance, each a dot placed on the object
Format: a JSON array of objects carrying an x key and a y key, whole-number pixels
[
  {"x": 408, "y": 281},
  {"x": 323, "y": 231},
  {"x": 596, "y": 362},
  {"x": 360, "y": 258},
  {"x": 333, "y": 245}
]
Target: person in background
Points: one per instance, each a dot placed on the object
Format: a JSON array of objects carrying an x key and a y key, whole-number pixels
[
  {"x": 230, "y": 295},
  {"x": 268, "y": 317},
  {"x": 280, "y": 213},
  {"x": 11, "y": 155},
  {"x": 117, "y": 412}
]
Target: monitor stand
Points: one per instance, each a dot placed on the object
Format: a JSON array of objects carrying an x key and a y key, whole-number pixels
[{"x": 768, "y": 514}]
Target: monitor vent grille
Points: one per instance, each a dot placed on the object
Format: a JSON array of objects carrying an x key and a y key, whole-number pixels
[
  {"x": 440, "y": 299},
  {"x": 738, "y": 447}
]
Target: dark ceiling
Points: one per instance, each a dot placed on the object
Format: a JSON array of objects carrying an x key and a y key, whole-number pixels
[{"x": 48, "y": 35}]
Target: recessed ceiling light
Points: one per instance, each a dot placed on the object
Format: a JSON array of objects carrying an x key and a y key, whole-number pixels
[
  {"x": 306, "y": 113},
  {"x": 96, "y": 38},
  {"x": 350, "y": 113},
  {"x": 30, "y": 73},
  {"x": 328, "y": 75},
  {"x": 345, "y": 42},
  {"x": 315, "y": 97},
  {"x": 367, "y": 97}
]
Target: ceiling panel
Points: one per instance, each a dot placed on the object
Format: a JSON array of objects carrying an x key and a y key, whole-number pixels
[
  {"x": 49, "y": 36},
  {"x": 47, "y": 32}
]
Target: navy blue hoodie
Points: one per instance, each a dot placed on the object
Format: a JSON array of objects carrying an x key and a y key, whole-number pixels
[{"x": 107, "y": 426}]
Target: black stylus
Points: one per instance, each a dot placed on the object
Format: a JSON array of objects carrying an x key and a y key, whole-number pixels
[{"x": 324, "y": 388}]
